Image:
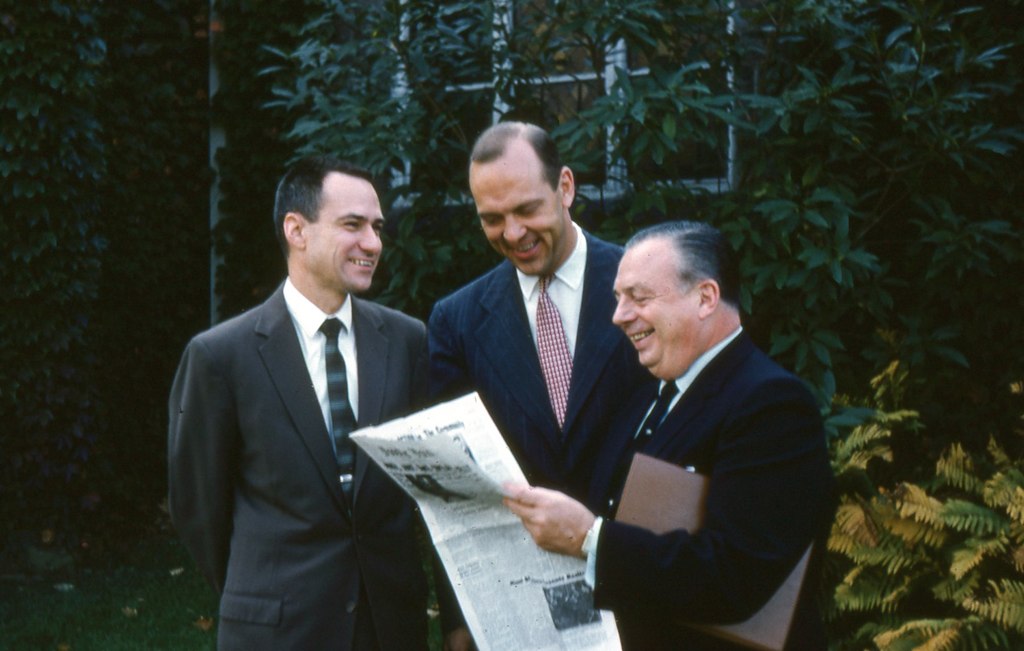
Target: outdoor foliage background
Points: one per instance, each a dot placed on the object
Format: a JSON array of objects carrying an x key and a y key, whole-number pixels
[{"x": 876, "y": 206}]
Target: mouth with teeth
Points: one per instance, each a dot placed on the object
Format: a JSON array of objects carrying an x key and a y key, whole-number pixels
[
  {"x": 524, "y": 250},
  {"x": 641, "y": 335},
  {"x": 362, "y": 263}
]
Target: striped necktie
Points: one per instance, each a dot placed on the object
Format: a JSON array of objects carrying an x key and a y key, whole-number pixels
[{"x": 343, "y": 420}]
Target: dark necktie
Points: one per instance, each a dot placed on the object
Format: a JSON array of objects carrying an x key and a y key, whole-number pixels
[
  {"x": 657, "y": 414},
  {"x": 343, "y": 420},
  {"x": 643, "y": 435},
  {"x": 553, "y": 349}
]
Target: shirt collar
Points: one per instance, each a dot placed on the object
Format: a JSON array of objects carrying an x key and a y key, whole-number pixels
[
  {"x": 308, "y": 316},
  {"x": 571, "y": 271},
  {"x": 684, "y": 381}
]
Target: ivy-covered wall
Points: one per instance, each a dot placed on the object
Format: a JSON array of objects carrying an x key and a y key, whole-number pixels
[
  {"x": 103, "y": 183},
  {"x": 51, "y": 173}
]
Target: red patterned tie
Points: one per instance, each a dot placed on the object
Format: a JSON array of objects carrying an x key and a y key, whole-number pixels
[{"x": 555, "y": 361}]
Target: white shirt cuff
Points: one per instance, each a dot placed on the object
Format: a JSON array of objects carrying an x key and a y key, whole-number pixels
[{"x": 590, "y": 549}]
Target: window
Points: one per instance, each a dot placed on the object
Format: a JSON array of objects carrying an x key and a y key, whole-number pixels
[{"x": 541, "y": 61}]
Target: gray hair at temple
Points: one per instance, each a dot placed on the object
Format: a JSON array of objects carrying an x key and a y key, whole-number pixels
[
  {"x": 703, "y": 252},
  {"x": 491, "y": 144}
]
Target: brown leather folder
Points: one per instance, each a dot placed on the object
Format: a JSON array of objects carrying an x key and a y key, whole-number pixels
[{"x": 661, "y": 496}]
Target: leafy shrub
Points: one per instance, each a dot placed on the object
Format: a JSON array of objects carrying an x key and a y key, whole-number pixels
[
  {"x": 254, "y": 152},
  {"x": 937, "y": 563},
  {"x": 865, "y": 135}
]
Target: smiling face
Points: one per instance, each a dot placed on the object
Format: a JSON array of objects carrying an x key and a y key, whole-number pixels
[
  {"x": 665, "y": 320},
  {"x": 522, "y": 216},
  {"x": 337, "y": 254}
]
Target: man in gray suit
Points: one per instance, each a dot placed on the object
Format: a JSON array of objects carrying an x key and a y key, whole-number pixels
[{"x": 309, "y": 545}]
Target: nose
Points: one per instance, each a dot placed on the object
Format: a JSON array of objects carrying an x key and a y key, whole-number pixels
[
  {"x": 370, "y": 240},
  {"x": 514, "y": 229},
  {"x": 623, "y": 312}
]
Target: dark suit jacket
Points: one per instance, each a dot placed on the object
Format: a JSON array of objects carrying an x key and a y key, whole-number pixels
[
  {"x": 755, "y": 430},
  {"x": 254, "y": 491},
  {"x": 480, "y": 340}
]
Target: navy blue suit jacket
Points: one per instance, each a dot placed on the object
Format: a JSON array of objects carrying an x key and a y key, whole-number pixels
[
  {"x": 480, "y": 340},
  {"x": 756, "y": 432}
]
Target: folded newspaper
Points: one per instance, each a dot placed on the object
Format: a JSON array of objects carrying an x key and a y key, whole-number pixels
[{"x": 452, "y": 460}]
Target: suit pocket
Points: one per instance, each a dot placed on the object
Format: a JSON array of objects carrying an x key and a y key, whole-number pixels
[{"x": 251, "y": 609}]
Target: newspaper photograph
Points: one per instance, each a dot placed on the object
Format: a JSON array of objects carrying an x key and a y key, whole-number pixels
[{"x": 452, "y": 460}]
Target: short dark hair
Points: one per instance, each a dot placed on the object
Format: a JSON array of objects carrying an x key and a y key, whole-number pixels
[
  {"x": 491, "y": 144},
  {"x": 704, "y": 252},
  {"x": 301, "y": 188}
]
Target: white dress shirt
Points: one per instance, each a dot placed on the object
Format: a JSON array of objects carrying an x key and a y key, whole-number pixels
[
  {"x": 565, "y": 290},
  {"x": 307, "y": 319}
]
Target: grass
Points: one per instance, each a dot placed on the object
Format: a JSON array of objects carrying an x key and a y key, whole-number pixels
[{"x": 153, "y": 600}]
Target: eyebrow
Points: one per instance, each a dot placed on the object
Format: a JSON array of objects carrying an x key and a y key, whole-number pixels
[
  {"x": 361, "y": 218},
  {"x": 518, "y": 208}
]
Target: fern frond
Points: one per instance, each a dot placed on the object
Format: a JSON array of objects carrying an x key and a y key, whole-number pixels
[
  {"x": 971, "y": 553},
  {"x": 972, "y": 518},
  {"x": 997, "y": 453},
  {"x": 953, "y": 590},
  {"x": 852, "y": 520},
  {"x": 917, "y": 532},
  {"x": 913, "y": 502},
  {"x": 957, "y": 468},
  {"x": 861, "y": 445},
  {"x": 923, "y": 634},
  {"x": 970, "y": 632},
  {"x": 892, "y": 556},
  {"x": 869, "y": 591},
  {"x": 1005, "y": 606},
  {"x": 1006, "y": 490}
]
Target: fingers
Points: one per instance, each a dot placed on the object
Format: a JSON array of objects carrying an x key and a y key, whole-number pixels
[{"x": 517, "y": 491}]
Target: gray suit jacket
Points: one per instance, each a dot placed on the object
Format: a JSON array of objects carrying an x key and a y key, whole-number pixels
[{"x": 254, "y": 492}]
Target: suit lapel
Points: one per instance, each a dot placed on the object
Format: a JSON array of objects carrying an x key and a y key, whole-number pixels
[
  {"x": 282, "y": 357},
  {"x": 372, "y": 350},
  {"x": 505, "y": 331},
  {"x": 681, "y": 431},
  {"x": 597, "y": 334}
]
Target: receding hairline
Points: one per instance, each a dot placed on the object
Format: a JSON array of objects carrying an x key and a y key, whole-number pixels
[{"x": 494, "y": 141}]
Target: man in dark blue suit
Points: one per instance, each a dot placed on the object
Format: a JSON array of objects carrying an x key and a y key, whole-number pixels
[
  {"x": 552, "y": 408},
  {"x": 731, "y": 414},
  {"x": 484, "y": 336}
]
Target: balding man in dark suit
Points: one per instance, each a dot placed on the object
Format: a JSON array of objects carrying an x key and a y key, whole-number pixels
[{"x": 729, "y": 412}]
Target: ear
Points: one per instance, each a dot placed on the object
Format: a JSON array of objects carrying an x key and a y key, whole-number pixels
[
  {"x": 567, "y": 187},
  {"x": 294, "y": 231},
  {"x": 710, "y": 294}
]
